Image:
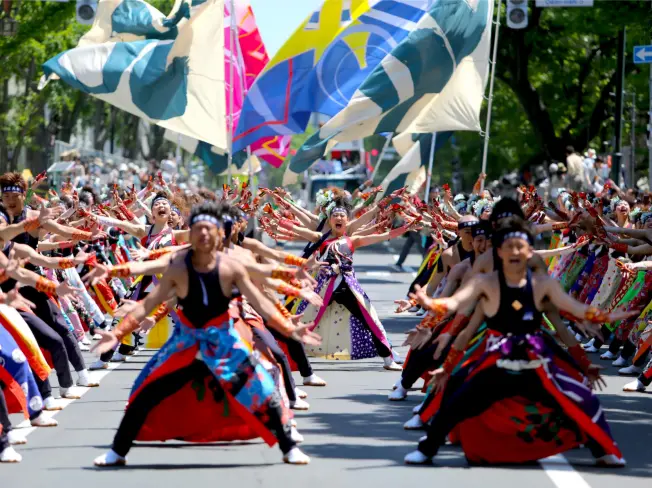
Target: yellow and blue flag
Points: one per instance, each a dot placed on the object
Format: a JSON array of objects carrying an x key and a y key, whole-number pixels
[{"x": 323, "y": 63}]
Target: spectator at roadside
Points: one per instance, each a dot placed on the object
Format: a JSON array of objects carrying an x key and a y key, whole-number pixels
[{"x": 575, "y": 178}]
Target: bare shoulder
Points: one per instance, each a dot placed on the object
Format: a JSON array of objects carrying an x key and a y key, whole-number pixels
[{"x": 178, "y": 263}]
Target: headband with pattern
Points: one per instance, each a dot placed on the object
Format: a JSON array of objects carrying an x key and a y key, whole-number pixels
[{"x": 205, "y": 218}]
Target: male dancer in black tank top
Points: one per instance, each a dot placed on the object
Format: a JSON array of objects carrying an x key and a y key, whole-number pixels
[
  {"x": 454, "y": 254},
  {"x": 199, "y": 278},
  {"x": 426, "y": 357},
  {"x": 512, "y": 298}
]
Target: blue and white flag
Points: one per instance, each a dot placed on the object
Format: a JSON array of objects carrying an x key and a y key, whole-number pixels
[
  {"x": 411, "y": 170},
  {"x": 433, "y": 81},
  {"x": 322, "y": 64},
  {"x": 167, "y": 70}
]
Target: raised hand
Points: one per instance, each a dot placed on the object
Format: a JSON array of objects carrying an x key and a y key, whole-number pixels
[
  {"x": 98, "y": 273},
  {"x": 107, "y": 342},
  {"x": 125, "y": 308},
  {"x": 311, "y": 297},
  {"x": 16, "y": 300},
  {"x": 402, "y": 305},
  {"x": 64, "y": 289},
  {"x": 302, "y": 333}
]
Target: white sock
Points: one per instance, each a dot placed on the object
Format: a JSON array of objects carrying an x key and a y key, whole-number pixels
[{"x": 110, "y": 458}]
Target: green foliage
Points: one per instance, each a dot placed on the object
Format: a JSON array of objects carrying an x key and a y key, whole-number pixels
[{"x": 45, "y": 30}]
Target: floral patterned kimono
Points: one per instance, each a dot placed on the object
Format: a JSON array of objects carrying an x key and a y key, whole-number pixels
[{"x": 346, "y": 333}]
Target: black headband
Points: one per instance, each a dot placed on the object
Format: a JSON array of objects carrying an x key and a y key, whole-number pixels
[
  {"x": 12, "y": 189},
  {"x": 159, "y": 198},
  {"x": 480, "y": 231},
  {"x": 205, "y": 218},
  {"x": 515, "y": 235},
  {"x": 467, "y": 225}
]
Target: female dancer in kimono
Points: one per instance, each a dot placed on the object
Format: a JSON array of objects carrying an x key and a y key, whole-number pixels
[
  {"x": 483, "y": 399},
  {"x": 347, "y": 320},
  {"x": 205, "y": 366}
]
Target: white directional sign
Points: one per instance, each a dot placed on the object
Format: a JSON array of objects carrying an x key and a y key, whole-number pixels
[{"x": 642, "y": 54}]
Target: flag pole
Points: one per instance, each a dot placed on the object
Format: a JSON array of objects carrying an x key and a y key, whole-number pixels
[
  {"x": 380, "y": 156},
  {"x": 231, "y": 84},
  {"x": 491, "y": 93},
  {"x": 433, "y": 143}
]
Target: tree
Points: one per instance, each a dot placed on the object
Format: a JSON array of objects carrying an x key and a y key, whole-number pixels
[
  {"x": 561, "y": 70},
  {"x": 45, "y": 30}
]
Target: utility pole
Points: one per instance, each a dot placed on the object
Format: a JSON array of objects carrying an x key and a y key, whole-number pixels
[{"x": 620, "y": 82}]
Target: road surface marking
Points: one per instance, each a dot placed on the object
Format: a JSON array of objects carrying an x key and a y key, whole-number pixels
[
  {"x": 26, "y": 427},
  {"x": 561, "y": 473}
]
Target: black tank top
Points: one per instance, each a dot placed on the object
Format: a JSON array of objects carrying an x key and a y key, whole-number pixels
[
  {"x": 517, "y": 313},
  {"x": 10, "y": 283},
  {"x": 205, "y": 299},
  {"x": 25, "y": 237}
]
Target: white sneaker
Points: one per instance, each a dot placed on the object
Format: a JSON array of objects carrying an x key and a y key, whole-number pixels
[
  {"x": 99, "y": 364},
  {"x": 417, "y": 409},
  {"x": 635, "y": 385},
  {"x": 414, "y": 423},
  {"x": 579, "y": 337},
  {"x": 16, "y": 438},
  {"x": 313, "y": 380},
  {"x": 423, "y": 438},
  {"x": 397, "y": 357},
  {"x": 96, "y": 337},
  {"x": 300, "y": 404},
  {"x": 118, "y": 358},
  {"x": 110, "y": 459},
  {"x": 630, "y": 370},
  {"x": 390, "y": 365},
  {"x": 295, "y": 456},
  {"x": 300, "y": 393},
  {"x": 295, "y": 436},
  {"x": 591, "y": 343},
  {"x": 85, "y": 379},
  {"x": 9, "y": 455},
  {"x": 608, "y": 355},
  {"x": 398, "y": 395},
  {"x": 69, "y": 393},
  {"x": 83, "y": 347},
  {"x": 417, "y": 457},
  {"x": 397, "y": 384},
  {"x": 43, "y": 421},
  {"x": 610, "y": 460},
  {"x": 85, "y": 341},
  {"x": 620, "y": 362},
  {"x": 51, "y": 404}
]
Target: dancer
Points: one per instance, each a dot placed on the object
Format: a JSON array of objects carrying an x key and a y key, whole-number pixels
[
  {"x": 347, "y": 320},
  {"x": 520, "y": 361},
  {"x": 205, "y": 350}
]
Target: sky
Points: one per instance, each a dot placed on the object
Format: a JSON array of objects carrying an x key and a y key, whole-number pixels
[{"x": 278, "y": 19}]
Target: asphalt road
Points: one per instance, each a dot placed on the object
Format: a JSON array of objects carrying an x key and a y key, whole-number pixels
[{"x": 354, "y": 435}]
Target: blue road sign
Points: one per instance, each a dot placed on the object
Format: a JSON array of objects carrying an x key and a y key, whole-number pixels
[{"x": 642, "y": 54}]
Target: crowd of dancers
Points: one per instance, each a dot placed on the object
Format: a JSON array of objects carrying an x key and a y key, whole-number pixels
[{"x": 498, "y": 345}]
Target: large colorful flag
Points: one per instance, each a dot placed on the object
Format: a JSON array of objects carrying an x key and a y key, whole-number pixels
[
  {"x": 411, "y": 170},
  {"x": 433, "y": 81},
  {"x": 322, "y": 64},
  {"x": 167, "y": 70},
  {"x": 248, "y": 58}
]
